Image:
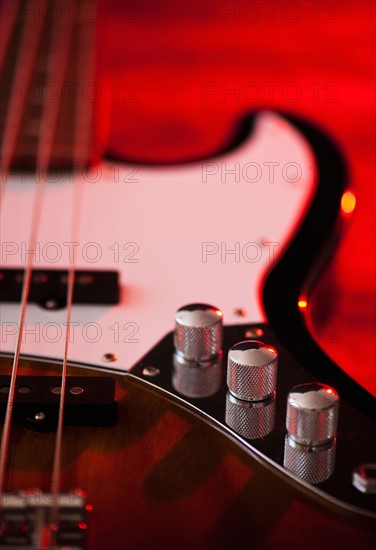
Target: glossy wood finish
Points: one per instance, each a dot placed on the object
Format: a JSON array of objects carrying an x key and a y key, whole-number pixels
[{"x": 161, "y": 478}]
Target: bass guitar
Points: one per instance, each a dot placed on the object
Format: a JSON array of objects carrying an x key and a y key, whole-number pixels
[{"x": 158, "y": 384}]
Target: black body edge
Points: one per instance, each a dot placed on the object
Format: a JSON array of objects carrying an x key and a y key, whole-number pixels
[
  {"x": 305, "y": 257},
  {"x": 296, "y": 271}
]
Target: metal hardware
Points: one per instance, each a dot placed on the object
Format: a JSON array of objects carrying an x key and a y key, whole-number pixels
[
  {"x": 311, "y": 423},
  {"x": 26, "y": 517},
  {"x": 109, "y": 357},
  {"x": 312, "y": 464},
  {"x": 312, "y": 414},
  {"x": 252, "y": 370},
  {"x": 196, "y": 380},
  {"x": 250, "y": 420},
  {"x": 198, "y": 332},
  {"x": 51, "y": 303},
  {"x": 364, "y": 478},
  {"x": 150, "y": 372},
  {"x": 241, "y": 312},
  {"x": 216, "y": 410},
  {"x": 254, "y": 333}
]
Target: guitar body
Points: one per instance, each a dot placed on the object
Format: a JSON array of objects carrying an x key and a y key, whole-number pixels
[
  {"x": 163, "y": 477},
  {"x": 151, "y": 465}
]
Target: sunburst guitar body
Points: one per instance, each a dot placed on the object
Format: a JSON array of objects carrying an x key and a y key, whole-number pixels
[{"x": 126, "y": 425}]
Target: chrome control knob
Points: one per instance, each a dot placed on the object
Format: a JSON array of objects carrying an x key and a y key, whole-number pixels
[
  {"x": 196, "y": 379},
  {"x": 312, "y": 464},
  {"x": 311, "y": 422},
  {"x": 312, "y": 414},
  {"x": 252, "y": 370},
  {"x": 198, "y": 332},
  {"x": 250, "y": 419}
]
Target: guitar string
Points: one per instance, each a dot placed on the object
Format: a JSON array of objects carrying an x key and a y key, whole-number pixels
[
  {"x": 29, "y": 40},
  {"x": 56, "y": 68},
  {"x": 85, "y": 71},
  {"x": 43, "y": 157},
  {"x": 57, "y": 461},
  {"x": 27, "y": 51}
]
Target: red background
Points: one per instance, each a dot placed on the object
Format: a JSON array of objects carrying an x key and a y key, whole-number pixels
[{"x": 316, "y": 59}]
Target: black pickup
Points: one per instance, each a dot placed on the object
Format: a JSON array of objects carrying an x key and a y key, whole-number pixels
[
  {"x": 89, "y": 401},
  {"x": 49, "y": 287}
]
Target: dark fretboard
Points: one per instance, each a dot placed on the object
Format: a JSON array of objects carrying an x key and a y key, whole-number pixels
[{"x": 47, "y": 82}]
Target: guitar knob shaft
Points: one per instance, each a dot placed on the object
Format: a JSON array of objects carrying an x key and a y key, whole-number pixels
[
  {"x": 252, "y": 370},
  {"x": 311, "y": 422},
  {"x": 198, "y": 332}
]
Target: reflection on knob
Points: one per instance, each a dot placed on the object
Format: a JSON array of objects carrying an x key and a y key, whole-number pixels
[
  {"x": 198, "y": 332},
  {"x": 252, "y": 370},
  {"x": 251, "y": 420},
  {"x": 193, "y": 379},
  {"x": 311, "y": 422},
  {"x": 312, "y": 464}
]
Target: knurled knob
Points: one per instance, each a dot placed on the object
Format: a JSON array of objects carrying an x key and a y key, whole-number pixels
[
  {"x": 312, "y": 414},
  {"x": 196, "y": 379},
  {"x": 312, "y": 464},
  {"x": 252, "y": 370},
  {"x": 198, "y": 332},
  {"x": 250, "y": 419},
  {"x": 311, "y": 422}
]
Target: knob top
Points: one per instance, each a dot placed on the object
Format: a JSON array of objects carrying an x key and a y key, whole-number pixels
[
  {"x": 252, "y": 353},
  {"x": 198, "y": 315},
  {"x": 252, "y": 370},
  {"x": 313, "y": 396},
  {"x": 312, "y": 413},
  {"x": 198, "y": 332}
]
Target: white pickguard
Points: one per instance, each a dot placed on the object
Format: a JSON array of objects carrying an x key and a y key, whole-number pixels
[{"x": 153, "y": 231}]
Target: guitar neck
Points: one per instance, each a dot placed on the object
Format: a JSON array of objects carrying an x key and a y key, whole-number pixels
[{"x": 48, "y": 83}]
